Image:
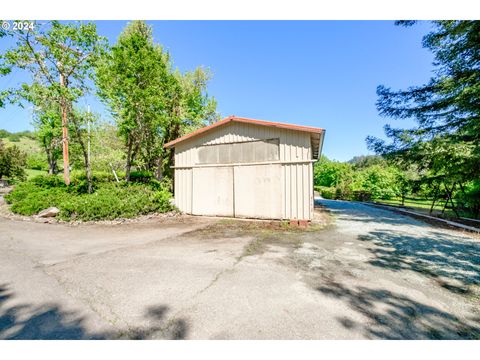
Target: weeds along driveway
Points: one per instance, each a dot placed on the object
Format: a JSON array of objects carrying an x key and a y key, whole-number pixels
[{"x": 370, "y": 274}]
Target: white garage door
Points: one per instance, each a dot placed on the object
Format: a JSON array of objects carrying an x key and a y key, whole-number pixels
[
  {"x": 258, "y": 191},
  {"x": 213, "y": 191}
]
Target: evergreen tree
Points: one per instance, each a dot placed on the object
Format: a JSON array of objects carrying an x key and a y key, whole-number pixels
[
  {"x": 445, "y": 143},
  {"x": 447, "y": 108}
]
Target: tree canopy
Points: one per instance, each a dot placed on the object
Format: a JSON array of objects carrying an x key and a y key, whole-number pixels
[
  {"x": 151, "y": 102},
  {"x": 444, "y": 146},
  {"x": 446, "y": 109},
  {"x": 59, "y": 59}
]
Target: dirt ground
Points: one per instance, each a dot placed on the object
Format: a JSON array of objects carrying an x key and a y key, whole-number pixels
[{"x": 368, "y": 274}]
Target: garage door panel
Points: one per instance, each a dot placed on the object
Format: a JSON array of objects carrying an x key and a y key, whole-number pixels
[
  {"x": 213, "y": 191},
  {"x": 258, "y": 191}
]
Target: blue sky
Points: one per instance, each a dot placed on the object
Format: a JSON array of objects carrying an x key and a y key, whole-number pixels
[{"x": 321, "y": 73}]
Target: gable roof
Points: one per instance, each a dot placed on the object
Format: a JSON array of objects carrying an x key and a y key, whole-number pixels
[{"x": 234, "y": 118}]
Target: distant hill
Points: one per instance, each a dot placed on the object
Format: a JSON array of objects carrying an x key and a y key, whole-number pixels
[
  {"x": 25, "y": 140},
  {"x": 364, "y": 161},
  {"x": 16, "y": 136}
]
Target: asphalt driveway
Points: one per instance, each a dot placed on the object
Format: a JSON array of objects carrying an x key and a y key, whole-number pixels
[{"x": 370, "y": 274}]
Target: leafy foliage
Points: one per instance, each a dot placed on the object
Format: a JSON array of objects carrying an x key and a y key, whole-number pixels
[
  {"x": 150, "y": 101},
  {"x": 59, "y": 59},
  {"x": 109, "y": 201},
  {"x": 36, "y": 161},
  {"x": 51, "y": 50},
  {"x": 365, "y": 179},
  {"x": 444, "y": 146},
  {"x": 107, "y": 150},
  {"x": 12, "y": 162}
]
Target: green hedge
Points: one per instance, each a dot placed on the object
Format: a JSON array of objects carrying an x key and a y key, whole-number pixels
[
  {"x": 326, "y": 192},
  {"x": 110, "y": 200}
]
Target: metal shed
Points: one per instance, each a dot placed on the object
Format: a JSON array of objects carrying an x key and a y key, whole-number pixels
[{"x": 241, "y": 167}]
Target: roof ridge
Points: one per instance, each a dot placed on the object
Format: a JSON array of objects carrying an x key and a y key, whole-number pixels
[{"x": 244, "y": 120}]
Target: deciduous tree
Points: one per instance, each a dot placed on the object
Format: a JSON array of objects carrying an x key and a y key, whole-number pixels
[{"x": 59, "y": 58}]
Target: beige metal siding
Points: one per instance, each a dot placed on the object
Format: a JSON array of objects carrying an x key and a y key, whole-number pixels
[
  {"x": 213, "y": 191},
  {"x": 183, "y": 190},
  {"x": 295, "y": 158},
  {"x": 294, "y": 145},
  {"x": 258, "y": 191},
  {"x": 298, "y": 191}
]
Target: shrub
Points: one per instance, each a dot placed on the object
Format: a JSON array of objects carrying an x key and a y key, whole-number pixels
[
  {"x": 344, "y": 193},
  {"x": 141, "y": 176},
  {"x": 111, "y": 201},
  {"x": 108, "y": 201},
  {"x": 97, "y": 176},
  {"x": 78, "y": 180},
  {"x": 12, "y": 162},
  {"x": 362, "y": 195},
  {"x": 36, "y": 161},
  {"x": 380, "y": 181},
  {"x": 46, "y": 181},
  {"x": 30, "y": 197},
  {"x": 164, "y": 185},
  {"x": 326, "y": 192}
]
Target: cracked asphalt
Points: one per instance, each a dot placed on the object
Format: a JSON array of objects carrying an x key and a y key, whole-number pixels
[{"x": 370, "y": 274}]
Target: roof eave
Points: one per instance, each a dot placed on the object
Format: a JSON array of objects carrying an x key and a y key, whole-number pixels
[{"x": 246, "y": 121}]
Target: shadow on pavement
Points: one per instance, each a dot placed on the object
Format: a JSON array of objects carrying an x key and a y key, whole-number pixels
[
  {"x": 453, "y": 261},
  {"x": 50, "y": 322},
  {"x": 394, "y": 316}
]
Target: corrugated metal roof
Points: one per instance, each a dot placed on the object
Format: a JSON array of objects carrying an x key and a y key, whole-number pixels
[{"x": 248, "y": 121}]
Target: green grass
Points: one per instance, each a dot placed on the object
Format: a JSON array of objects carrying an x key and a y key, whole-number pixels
[
  {"x": 423, "y": 206},
  {"x": 25, "y": 144},
  {"x": 415, "y": 203},
  {"x": 31, "y": 173}
]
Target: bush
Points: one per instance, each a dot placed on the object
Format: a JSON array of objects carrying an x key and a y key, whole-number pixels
[
  {"x": 78, "y": 180},
  {"x": 343, "y": 193},
  {"x": 362, "y": 195},
  {"x": 141, "y": 176},
  {"x": 112, "y": 201},
  {"x": 37, "y": 161},
  {"x": 41, "y": 192},
  {"x": 326, "y": 192},
  {"x": 46, "y": 181},
  {"x": 12, "y": 162},
  {"x": 380, "y": 181},
  {"x": 109, "y": 201},
  {"x": 78, "y": 176}
]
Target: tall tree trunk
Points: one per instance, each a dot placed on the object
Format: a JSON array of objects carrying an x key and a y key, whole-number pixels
[
  {"x": 449, "y": 197},
  {"x": 86, "y": 158},
  {"x": 129, "y": 159},
  {"x": 169, "y": 154},
  {"x": 52, "y": 164},
  {"x": 132, "y": 151},
  {"x": 88, "y": 169},
  {"x": 434, "y": 198},
  {"x": 51, "y": 160},
  {"x": 159, "y": 171}
]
